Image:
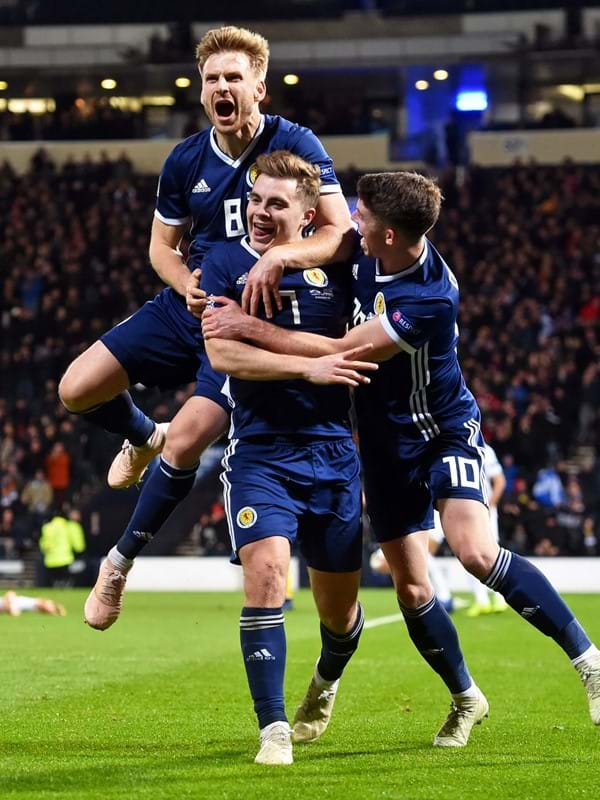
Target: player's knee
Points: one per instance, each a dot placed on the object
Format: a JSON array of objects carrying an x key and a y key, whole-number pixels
[
  {"x": 476, "y": 561},
  {"x": 181, "y": 450},
  {"x": 338, "y": 620},
  {"x": 72, "y": 392},
  {"x": 414, "y": 595},
  {"x": 265, "y": 584}
]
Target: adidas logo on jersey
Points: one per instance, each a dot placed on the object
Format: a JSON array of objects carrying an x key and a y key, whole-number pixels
[
  {"x": 261, "y": 655},
  {"x": 201, "y": 186},
  {"x": 242, "y": 280}
]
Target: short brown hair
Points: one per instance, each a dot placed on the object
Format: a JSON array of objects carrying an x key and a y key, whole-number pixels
[
  {"x": 283, "y": 164},
  {"x": 406, "y": 201},
  {"x": 230, "y": 39}
]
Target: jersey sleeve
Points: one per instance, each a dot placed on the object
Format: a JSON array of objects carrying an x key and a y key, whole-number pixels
[
  {"x": 171, "y": 204},
  {"x": 411, "y": 324},
  {"x": 308, "y": 147}
]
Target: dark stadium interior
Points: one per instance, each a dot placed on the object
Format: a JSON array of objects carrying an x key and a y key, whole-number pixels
[{"x": 523, "y": 240}]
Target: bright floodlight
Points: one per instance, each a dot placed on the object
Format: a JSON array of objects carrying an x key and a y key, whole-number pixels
[{"x": 472, "y": 101}]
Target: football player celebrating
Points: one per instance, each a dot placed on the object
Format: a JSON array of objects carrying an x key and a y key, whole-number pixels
[
  {"x": 420, "y": 438},
  {"x": 203, "y": 186}
]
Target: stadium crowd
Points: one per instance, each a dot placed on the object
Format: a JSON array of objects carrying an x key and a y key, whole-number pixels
[{"x": 524, "y": 245}]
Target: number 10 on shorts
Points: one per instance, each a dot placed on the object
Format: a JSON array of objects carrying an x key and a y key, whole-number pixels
[{"x": 464, "y": 472}]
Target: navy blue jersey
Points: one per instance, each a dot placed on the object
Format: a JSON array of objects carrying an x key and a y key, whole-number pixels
[
  {"x": 314, "y": 300},
  {"x": 419, "y": 394},
  {"x": 202, "y": 185}
]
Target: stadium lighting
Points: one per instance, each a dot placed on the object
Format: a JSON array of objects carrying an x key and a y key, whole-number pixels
[
  {"x": 182, "y": 83},
  {"x": 108, "y": 83},
  {"x": 3, "y": 86},
  {"x": 422, "y": 85},
  {"x": 472, "y": 101},
  {"x": 291, "y": 79},
  {"x": 440, "y": 74}
]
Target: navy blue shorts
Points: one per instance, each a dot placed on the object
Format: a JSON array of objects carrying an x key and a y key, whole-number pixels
[
  {"x": 161, "y": 345},
  {"x": 305, "y": 490},
  {"x": 402, "y": 493}
]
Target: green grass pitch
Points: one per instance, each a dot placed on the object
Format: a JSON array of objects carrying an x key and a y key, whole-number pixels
[{"x": 158, "y": 707}]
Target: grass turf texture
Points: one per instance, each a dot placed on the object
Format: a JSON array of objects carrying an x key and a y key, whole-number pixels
[{"x": 158, "y": 707}]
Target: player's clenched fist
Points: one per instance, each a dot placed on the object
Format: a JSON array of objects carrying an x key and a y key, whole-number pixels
[
  {"x": 224, "y": 319},
  {"x": 195, "y": 297}
]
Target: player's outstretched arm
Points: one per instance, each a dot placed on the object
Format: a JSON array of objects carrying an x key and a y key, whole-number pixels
[
  {"x": 250, "y": 363},
  {"x": 333, "y": 240},
  {"x": 165, "y": 256},
  {"x": 229, "y": 321}
]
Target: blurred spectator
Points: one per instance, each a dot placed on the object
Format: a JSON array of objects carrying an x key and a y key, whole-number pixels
[
  {"x": 548, "y": 489},
  {"x": 8, "y": 534},
  {"x": 60, "y": 541},
  {"x": 37, "y": 495},
  {"x": 58, "y": 470}
]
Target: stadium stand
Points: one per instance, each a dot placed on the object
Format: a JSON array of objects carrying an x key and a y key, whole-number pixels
[{"x": 522, "y": 241}]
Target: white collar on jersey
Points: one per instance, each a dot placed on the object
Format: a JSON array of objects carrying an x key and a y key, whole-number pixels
[
  {"x": 247, "y": 246},
  {"x": 251, "y": 145},
  {"x": 395, "y": 276}
]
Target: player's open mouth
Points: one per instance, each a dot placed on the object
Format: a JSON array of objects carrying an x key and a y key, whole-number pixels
[
  {"x": 224, "y": 109},
  {"x": 262, "y": 233}
]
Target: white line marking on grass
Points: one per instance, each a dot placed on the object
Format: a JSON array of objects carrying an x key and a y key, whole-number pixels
[{"x": 375, "y": 623}]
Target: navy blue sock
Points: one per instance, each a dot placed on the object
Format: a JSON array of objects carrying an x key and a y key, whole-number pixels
[
  {"x": 532, "y": 596},
  {"x": 435, "y": 637},
  {"x": 164, "y": 488},
  {"x": 262, "y": 637},
  {"x": 121, "y": 415},
  {"x": 337, "y": 649}
]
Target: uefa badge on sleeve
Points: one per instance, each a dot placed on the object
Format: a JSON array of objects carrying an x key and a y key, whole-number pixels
[{"x": 246, "y": 517}]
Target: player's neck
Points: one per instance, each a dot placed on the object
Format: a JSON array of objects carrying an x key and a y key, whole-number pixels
[
  {"x": 234, "y": 144},
  {"x": 397, "y": 260}
]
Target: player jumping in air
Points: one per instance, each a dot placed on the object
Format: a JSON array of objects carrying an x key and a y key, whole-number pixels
[
  {"x": 203, "y": 187},
  {"x": 421, "y": 444}
]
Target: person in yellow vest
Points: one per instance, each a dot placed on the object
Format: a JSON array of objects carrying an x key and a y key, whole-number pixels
[{"x": 61, "y": 539}]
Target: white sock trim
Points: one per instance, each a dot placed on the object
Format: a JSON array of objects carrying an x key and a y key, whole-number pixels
[
  {"x": 264, "y": 732},
  {"x": 472, "y": 691},
  {"x": 589, "y": 653},
  {"x": 323, "y": 684},
  {"x": 122, "y": 563}
]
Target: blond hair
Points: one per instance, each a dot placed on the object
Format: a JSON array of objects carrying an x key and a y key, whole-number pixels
[
  {"x": 230, "y": 39},
  {"x": 283, "y": 164}
]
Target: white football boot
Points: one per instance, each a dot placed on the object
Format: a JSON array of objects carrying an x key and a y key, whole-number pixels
[{"x": 131, "y": 461}]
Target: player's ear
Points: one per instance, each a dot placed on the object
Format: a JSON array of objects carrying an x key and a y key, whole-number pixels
[
  {"x": 260, "y": 91},
  {"x": 309, "y": 216},
  {"x": 391, "y": 237}
]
